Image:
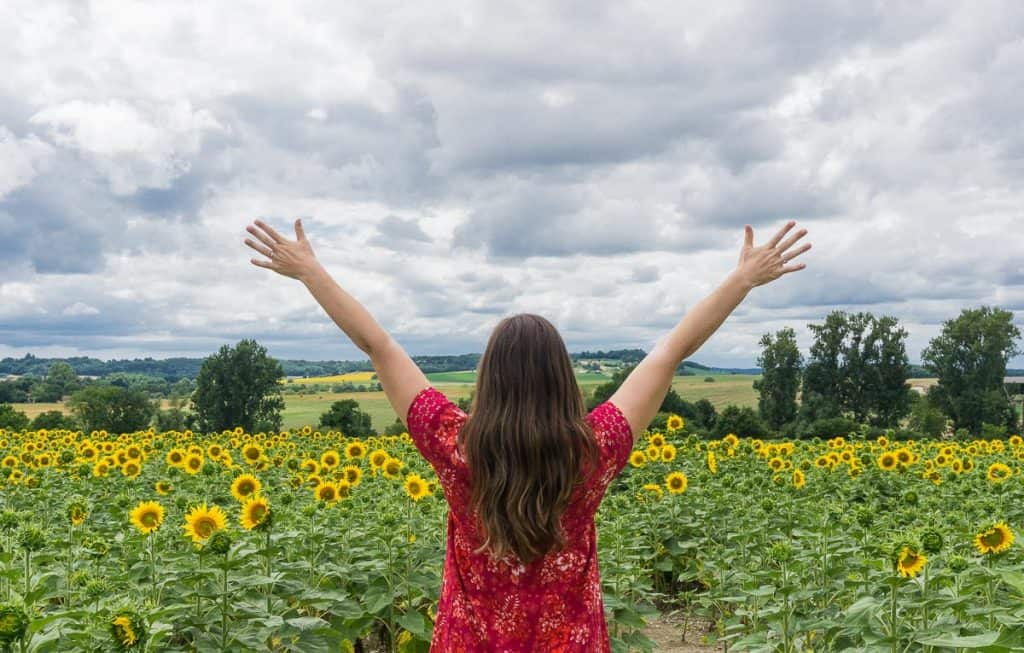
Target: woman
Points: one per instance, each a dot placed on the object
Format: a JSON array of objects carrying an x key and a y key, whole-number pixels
[{"x": 525, "y": 471}]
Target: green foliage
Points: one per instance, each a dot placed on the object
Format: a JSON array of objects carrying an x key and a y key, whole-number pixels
[
  {"x": 781, "y": 363},
  {"x": 858, "y": 364},
  {"x": 926, "y": 417},
  {"x": 174, "y": 418},
  {"x": 154, "y": 386},
  {"x": 12, "y": 419},
  {"x": 112, "y": 408},
  {"x": 969, "y": 358},
  {"x": 345, "y": 416},
  {"x": 744, "y": 422},
  {"x": 238, "y": 386},
  {"x": 54, "y": 419},
  {"x": 828, "y": 427},
  {"x": 699, "y": 416}
]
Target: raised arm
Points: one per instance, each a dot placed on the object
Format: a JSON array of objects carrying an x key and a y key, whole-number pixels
[
  {"x": 399, "y": 375},
  {"x": 641, "y": 394}
]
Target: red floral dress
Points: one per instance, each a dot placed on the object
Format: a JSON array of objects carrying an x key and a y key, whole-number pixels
[{"x": 554, "y": 604}]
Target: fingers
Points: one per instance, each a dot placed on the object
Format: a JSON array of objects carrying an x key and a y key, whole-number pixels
[
  {"x": 262, "y": 249},
  {"x": 748, "y": 241},
  {"x": 270, "y": 230},
  {"x": 786, "y": 244},
  {"x": 262, "y": 264},
  {"x": 265, "y": 239},
  {"x": 300, "y": 233},
  {"x": 793, "y": 268},
  {"x": 782, "y": 232},
  {"x": 790, "y": 257}
]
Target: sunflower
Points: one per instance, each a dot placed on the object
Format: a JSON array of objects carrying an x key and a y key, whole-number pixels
[
  {"x": 202, "y": 522},
  {"x": 776, "y": 463},
  {"x": 310, "y": 466},
  {"x": 193, "y": 463},
  {"x": 326, "y": 492},
  {"x": 910, "y": 562},
  {"x": 214, "y": 451},
  {"x": 352, "y": 474},
  {"x": 676, "y": 482},
  {"x": 101, "y": 468},
  {"x": 10, "y": 461},
  {"x": 651, "y": 489},
  {"x": 999, "y": 472},
  {"x": 252, "y": 453},
  {"x": 245, "y": 486},
  {"x": 124, "y": 631},
  {"x": 638, "y": 458},
  {"x": 163, "y": 487},
  {"x": 1016, "y": 441},
  {"x": 147, "y": 516},
  {"x": 255, "y": 510},
  {"x": 355, "y": 449},
  {"x": 131, "y": 469},
  {"x": 887, "y": 461},
  {"x": 674, "y": 422},
  {"x": 415, "y": 487},
  {"x": 996, "y": 539},
  {"x": 798, "y": 479},
  {"x": 731, "y": 440},
  {"x": 668, "y": 453},
  {"x": 330, "y": 459},
  {"x": 392, "y": 467},
  {"x": 656, "y": 439},
  {"x": 175, "y": 457},
  {"x": 822, "y": 462},
  {"x": 712, "y": 462},
  {"x": 378, "y": 458}
]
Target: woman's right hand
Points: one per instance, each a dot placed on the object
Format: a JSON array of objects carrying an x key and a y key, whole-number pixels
[{"x": 764, "y": 263}]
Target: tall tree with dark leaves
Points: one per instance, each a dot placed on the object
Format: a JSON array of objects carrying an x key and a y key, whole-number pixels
[
  {"x": 239, "y": 386},
  {"x": 969, "y": 358},
  {"x": 781, "y": 363}
]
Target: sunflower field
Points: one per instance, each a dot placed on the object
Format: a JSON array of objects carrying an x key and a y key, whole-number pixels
[{"x": 315, "y": 541}]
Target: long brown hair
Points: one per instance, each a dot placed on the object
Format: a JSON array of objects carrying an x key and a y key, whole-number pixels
[{"x": 526, "y": 440}]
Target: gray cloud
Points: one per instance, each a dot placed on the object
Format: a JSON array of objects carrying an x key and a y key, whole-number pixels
[{"x": 589, "y": 161}]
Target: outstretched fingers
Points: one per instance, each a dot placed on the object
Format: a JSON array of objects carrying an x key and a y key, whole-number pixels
[
  {"x": 782, "y": 232},
  {"x": 262, "y": 249},
  {"x": 786, "y": 244},
  {"x": 270, "y": 230}
]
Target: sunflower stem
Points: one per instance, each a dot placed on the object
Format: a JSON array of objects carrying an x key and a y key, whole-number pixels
[
  {"x": 224, "y": 609},
  {"x": 28, "y": 581},
  {"x": 266, "y": 555}
]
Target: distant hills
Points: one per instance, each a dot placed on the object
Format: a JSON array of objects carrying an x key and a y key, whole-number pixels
[{"x": 173, "y": 369}]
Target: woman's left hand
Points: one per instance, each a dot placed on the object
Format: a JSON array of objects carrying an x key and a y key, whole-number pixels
[{"x": 293, "y": 259}]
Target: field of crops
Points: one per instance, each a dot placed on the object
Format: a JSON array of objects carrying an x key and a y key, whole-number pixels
[{"x": 310, "y": 541}]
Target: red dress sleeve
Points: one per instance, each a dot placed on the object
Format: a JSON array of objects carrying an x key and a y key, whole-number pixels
[
  {"x": 614, "y": 437},
  {"x": 431, "y": 419}
]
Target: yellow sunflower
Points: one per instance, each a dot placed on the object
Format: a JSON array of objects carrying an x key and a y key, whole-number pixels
[
  {"x": 392, "y": 467},
  {"x": 996, "y": 539},
  {"x": 651, "y": 489},
  {"x": 252, "y": 453},
  {"x": 147, "y": 516},
  {"x": 163, "y": 487},
  {"x": 910, "y": 562},
  {"x": 638, "y": 458},
  {"x": 887, "y": 461},
  {"x": 330, "y": 459},
  {"x": 999, "y": 472},
  {"x": 798, "y": 479},
  {"x": 378, "y": 458},
  {"x": 668, "y": 453},
  {"x": 202, "y": 522},
  {"x": 675, "y": 422},
  {"x": 254, "y": 512},
  {"x": 712, "y": 462},
  {"x": 124, "y": 632},
  {"x": 656, "y": 439},
  {"x": 776, "y": 463},
  {"x": 175, "y": 457},
  {"x": 131, "y": 469},
  {"x": 193, "y": 463},
  {"x": 353, "y": 474},
  {"x": 245, "y": 486},
  {"x": 676, "y": 482},
  {"x": 326, "y": 492},
  {"x": 355, "y": 449},
  {"x": 415, "y": 487}
]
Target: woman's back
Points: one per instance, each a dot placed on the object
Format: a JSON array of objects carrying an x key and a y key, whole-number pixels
[{"x": 552, "y": 604}]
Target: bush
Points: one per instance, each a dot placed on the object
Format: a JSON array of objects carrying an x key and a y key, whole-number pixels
[
  {"x": 709, "y": 379},
  {"x": 12, "y": 419},
  {"x": 829, "y": 427},
  {"x": 908, "y": 434},
  {"x": 992, "y": 431},
  {"x": 54, "y": 419},
  {"x": 744, "y": 422}
]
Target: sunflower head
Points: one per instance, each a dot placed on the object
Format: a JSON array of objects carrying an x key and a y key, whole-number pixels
[
  {"x": 147, "y": 516},
  {"x": 910, "y": 561},
  {"x": 255, "y": 513},
  {"x": 326, "y": 492},
  {"x": 995, "y": 539},
  {"x": 244, "y": 486},
  {"x": 415, "y": 487},
  {"x": 13, "y": 622},
  {"x": 676, "y": 482},
  {"x": 128, "y": 630},
  {"x": 203, "y": 521}
]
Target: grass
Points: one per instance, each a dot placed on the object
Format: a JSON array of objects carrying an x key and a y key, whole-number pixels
[{"x": 306, "y": 409}]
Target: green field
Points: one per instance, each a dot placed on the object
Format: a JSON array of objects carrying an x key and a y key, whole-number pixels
[{"x": 306, "y": 409}]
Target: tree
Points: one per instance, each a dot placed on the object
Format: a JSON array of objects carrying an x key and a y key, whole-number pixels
[
  {"x": 111, "y": 408},
  {"x": 54, "y": 419},
  {"x": 858, "y": 365},
  {"x": 174, "y": 418},
  {"x": 781, "y": 363},
  {"x": 238, "y": 386},
  {"x": 927, "y": 418},
  {"x": 744, "y": 422},
  {"x": 12, "y": 419},
  {"x": 344, "y": 415},
  {"x": 969, "y": 358},
  {"x": 60, "y": 380}
]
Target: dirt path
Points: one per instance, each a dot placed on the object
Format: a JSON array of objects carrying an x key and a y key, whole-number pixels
[{"x": 667, "y": 632}]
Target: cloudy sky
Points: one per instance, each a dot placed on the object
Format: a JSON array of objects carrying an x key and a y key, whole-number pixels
[{"x": 456, "y": 161}]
